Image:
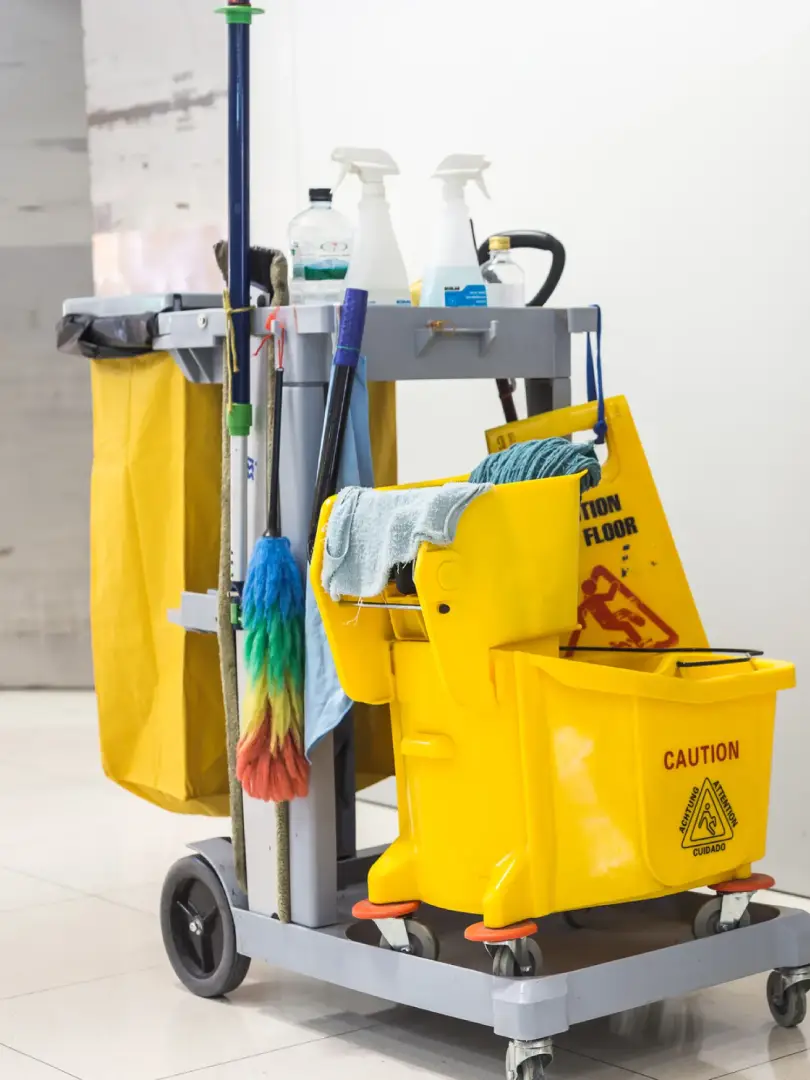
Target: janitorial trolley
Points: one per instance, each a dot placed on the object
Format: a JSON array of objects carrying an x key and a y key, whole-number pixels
[
  {"x": 556, "y": 804},
  {"x": 532, "y": 787}
]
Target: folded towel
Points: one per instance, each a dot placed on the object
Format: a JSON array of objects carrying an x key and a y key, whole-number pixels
[{"x": 370, "y": 532}]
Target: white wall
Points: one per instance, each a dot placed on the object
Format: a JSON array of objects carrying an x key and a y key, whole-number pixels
[
  {"x": 45, "y": 423},
  {"x": 668, "y": 147},
  {"x": 156, "y": 102}
]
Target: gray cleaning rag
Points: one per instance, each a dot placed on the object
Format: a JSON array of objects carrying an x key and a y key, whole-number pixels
[{"x": 370, "y": 532}]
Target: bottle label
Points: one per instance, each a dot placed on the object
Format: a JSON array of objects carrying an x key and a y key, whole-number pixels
[
  {"x": 327, "y": 262},
  {"x": 468, "y": 296}
]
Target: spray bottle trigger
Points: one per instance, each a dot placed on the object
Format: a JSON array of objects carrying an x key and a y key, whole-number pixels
[{"x": 479, "y": 179}]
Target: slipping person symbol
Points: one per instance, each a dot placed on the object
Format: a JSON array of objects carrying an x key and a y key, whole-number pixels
[
  {"x": 707, "y": 820},
  {"x": 596, "y": 604}
]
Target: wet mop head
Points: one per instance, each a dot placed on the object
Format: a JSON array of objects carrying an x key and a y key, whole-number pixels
[{"x": 270, "y": 761}]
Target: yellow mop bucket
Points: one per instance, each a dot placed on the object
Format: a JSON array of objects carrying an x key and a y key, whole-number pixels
[
  {"x": 529, "y": 783},
  {"x": 583, "y": 785}
]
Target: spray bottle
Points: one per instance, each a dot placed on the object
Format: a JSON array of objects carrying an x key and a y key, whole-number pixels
[
  {"x": 453, "y": 277},
  {"x": 377, "y": 264}
]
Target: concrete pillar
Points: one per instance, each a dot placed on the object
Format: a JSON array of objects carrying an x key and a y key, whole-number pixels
[{"x": 45, "y": 420}]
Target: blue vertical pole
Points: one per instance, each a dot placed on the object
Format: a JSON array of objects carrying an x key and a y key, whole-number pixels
[
  {"x": 239, "y": 16},
  {"x": 239, "y": 202}
]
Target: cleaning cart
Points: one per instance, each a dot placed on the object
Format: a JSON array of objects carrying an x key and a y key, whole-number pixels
[
  {"x": 623, "y": 956},
  {"x": 514, "y": 832}
]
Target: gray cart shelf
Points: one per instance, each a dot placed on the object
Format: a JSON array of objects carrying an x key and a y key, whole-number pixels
[{"x": 617, "y": 958}]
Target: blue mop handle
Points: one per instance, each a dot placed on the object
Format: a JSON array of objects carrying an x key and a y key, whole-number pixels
[
  {"x": 238, "y": 16},
  {"x": 239, "y": 202},
  {"x": 347, "y": 354},
  {"x": 352, "y": 325}
]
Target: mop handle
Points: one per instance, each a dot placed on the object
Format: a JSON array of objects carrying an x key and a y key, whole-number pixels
[
  {"x": 344, "y": 364},
  {"x": 239, "y": 17}
]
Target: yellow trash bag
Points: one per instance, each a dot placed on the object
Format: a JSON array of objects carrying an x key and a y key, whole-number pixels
[
  {"x": 633, "y": 593},
  {"x": 154, "y": 532},
  {"x": 155, "y": 525}
]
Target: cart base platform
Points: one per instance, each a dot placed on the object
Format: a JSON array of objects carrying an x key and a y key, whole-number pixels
[{"x": 612, "y": 960}]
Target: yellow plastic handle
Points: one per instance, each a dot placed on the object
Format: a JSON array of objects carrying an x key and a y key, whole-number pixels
[
  {"x": 575, "y": 418},
  {"x": 560, "y": 423}
]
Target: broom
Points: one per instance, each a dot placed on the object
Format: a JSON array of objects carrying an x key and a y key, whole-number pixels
[{"x": 270, "y": 761}]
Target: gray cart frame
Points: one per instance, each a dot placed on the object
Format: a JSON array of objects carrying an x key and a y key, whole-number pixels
[{"x": 624, "y": 957}]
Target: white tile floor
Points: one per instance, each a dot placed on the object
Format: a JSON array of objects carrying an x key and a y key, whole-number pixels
[{"x": 85, "y": 990}]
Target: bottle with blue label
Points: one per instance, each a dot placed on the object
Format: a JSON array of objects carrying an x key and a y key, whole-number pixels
[{"x": 453, "y": 277}]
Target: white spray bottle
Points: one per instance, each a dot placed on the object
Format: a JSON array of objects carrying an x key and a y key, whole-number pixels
[
  {"x": 376, "y": 264},
  {"x": 453, "y": 277}
]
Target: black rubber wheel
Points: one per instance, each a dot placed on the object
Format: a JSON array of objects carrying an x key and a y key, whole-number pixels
[
  {"x": 421, "y": 939},
  {"x": 707, "y": 920},
  {"x": 198, "y": 931},
  {"x": 788, "y": 1007},
  {"x": 529, "y": 961}
]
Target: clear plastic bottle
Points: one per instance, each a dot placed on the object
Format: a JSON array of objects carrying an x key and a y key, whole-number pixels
[
  {"x": 320, "y": 245},
  {"x": 506, "y": 282}
]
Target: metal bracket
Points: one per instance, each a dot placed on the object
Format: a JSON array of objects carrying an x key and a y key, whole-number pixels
[
  {"x": 732, "y": 909},
  {"x": 519, "y": 1052},
  {"x": 799, "y": 976},
  {"x": 197, "y": 612},
  {"x": 425, "y": 339},
  {"x": 395, "y": 932}
]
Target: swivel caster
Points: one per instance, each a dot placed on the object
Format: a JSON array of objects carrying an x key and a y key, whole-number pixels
[
  {"x": 730, "y": 908},
  {"x": 787, "y": 996},
  {"x": 398, "y": 931},
  {"x": 514, "y": 953},
  {"x": 528, "y": 1060},
  {"x": 574, "y": 920}
]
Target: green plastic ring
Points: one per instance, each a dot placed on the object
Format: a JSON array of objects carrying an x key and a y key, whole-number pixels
[{"x": 239, "y": 13}]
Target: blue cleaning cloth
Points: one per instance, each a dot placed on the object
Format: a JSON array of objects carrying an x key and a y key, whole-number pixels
[
  {"x": 325, "y": 703},
  {"x": 371, "y": 532}
]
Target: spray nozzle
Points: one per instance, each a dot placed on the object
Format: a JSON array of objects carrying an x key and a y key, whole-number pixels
[
  {"x": 457, "y": 169},
  {"x": 372, "y": 166}
]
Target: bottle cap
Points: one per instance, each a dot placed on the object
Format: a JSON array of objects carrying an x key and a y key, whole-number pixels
[
  {"x": 499, "y": 243},
  {"x": 320, "y": 194}
]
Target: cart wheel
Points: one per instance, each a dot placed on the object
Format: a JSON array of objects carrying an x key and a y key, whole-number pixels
[
  {"x": 707, "y": 920},
  {"x": 571, "y": 919},
  {"x": 532, "y": 1069},
  {"x": 423, "y": 942},
  {"x": 198, "y": 931},
  {"x": 529, "y": 961},
  {"x": 788, "y": 1007}
]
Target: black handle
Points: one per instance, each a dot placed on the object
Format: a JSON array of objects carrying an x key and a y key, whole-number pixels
[
  {"x": 273, "y": 500},
  {"x": 540, "y": 241}
]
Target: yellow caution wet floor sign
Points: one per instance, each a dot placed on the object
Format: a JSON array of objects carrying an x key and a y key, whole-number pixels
[{"x": 633, "y": 590}]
